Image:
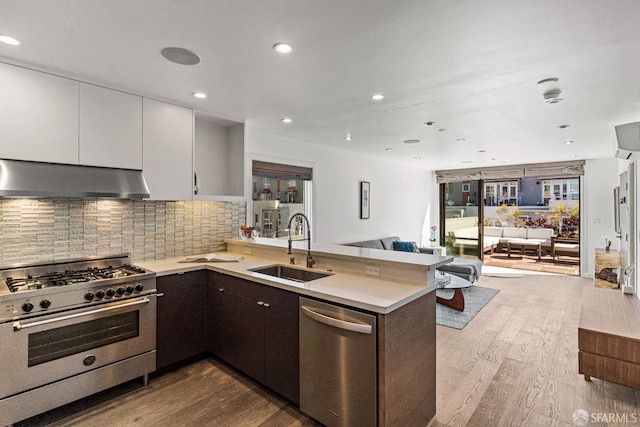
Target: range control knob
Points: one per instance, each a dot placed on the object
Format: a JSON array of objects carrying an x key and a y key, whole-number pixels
[
  {"x": 88, "y": 296},
  {"x": 120, "y": 290},
  {"x": 100, "y": 294},
  {"x": 129, "y": 289},
  {"x": 27, "y": 306},
  {"x": 139, "y": 287},
  {"x": 45, "y": 303},
  {"x": 110, "y": 292}
]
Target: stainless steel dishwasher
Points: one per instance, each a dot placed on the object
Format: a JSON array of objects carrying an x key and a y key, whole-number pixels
[{"x": 338, "y": 364}]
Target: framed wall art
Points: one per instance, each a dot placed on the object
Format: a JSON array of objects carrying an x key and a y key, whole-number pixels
[{"x": 365, "y": 199}]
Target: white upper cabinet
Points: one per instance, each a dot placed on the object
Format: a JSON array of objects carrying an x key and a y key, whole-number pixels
[
  {"x": 218, "y": 158},
  {"x": 167, "y": 150},
  {"x": 38, "y": 116},
  {"x": 110, "y": 128}
]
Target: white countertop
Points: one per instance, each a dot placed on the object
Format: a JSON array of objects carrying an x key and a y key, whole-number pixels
[
  {"x": 368, "y": 293},
  {"x": 347, "y": 252}
]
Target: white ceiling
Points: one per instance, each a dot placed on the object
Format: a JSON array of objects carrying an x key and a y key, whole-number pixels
[{"x": 470, "y": 66}]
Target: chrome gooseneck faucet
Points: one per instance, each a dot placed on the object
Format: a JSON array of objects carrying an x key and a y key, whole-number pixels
[{"x": 310, "y": 260}]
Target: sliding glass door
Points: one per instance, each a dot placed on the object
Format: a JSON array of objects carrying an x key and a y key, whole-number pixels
[{"x": 461, "y": 218}]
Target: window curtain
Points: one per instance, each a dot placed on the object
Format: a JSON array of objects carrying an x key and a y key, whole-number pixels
[
  {"x": 538, "y": 170},
  {"x": 279, "y": 171}
]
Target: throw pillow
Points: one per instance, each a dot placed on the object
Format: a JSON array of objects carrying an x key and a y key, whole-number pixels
[{"x": 399, "y": 245}]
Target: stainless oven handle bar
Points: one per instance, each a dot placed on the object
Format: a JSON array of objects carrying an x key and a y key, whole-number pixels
[{"x": 17, "y": 326}]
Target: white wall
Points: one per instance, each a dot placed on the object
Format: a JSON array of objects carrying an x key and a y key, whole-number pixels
[
  {"x": 596, "y": 211},
  {"x": 400, "y": 194}
]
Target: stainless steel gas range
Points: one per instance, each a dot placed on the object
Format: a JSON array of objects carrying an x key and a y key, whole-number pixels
[{"x": 73, "y": 328}]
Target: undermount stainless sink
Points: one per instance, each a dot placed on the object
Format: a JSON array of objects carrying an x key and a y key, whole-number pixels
[{"x": 290, "y": 273}]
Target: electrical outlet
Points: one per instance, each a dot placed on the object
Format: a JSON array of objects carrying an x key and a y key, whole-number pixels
[
  {"x": 247, "y": 251},
  {"x": 371, "y": 270}
]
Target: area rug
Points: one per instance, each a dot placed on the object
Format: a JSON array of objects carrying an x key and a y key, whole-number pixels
[{"x": 475, "y": 298}]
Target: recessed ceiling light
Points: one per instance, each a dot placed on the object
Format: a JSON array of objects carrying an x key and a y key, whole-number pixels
[
  {"x": 429, "y": 123},
  {"x": 9, "y": 40},
  {"x": 574, "y": 156},
  {"x": 180, "y": 55},
  {"x": 286, "y": 120},
  {"x": 388, "y": 149},
  {"x": 411, "y": 141},
  {"x": 460, "y": 140},
  {"x": 377, "y": 97},
  {"x": 563, "y": 126},
  {"x": 417, "y": 158},
  {"x": 441, "y": 130},
  {"x": 199, "y": 95},
  {"x": 493, "y": 158},
  {"x": 569, "y": 142},
  {"x": 548, "y": 82},
  {"x": 467, "y": 161},
  {"x": 482, "y": 151},
  {"x": 348, "y": 137},
  {"x": 283, "y": 48}
]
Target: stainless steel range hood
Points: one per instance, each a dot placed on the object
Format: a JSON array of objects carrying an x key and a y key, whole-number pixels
[{"x": 51, "y": 180}]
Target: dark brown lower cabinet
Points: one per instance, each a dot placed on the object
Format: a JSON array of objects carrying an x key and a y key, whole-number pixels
[
  {"x": 265, "y": 345},
  {"x": 250, "y": 326},
  {"x": 281, "y": 353},
  {"x": 221, "y": 317},
  {"x": 181, "y": 317}
]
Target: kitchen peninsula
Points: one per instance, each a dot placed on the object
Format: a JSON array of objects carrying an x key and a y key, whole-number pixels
[{"x": 397, "y": 288}]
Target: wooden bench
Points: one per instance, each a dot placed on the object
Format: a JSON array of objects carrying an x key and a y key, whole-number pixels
[{"x": 609, "y": 336}]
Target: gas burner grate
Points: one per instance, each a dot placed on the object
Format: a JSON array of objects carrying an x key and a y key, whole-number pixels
[{"x": 70, "y": 277}]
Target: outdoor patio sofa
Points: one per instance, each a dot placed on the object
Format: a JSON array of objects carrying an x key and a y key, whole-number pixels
[
  {"x": 564, "y": 247},
  {"x": 468, "y": 268},
  {"x": 495, "y": 237}
]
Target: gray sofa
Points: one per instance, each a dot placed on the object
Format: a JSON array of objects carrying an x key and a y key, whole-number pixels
[{"x": 468, "y": 268}]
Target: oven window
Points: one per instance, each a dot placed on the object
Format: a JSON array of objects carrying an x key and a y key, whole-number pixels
[{"x": 56, "y": 343}]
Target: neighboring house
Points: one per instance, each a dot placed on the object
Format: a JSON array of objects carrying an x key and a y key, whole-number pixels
[
  {"x": 517, "y": 191},
  {"x": 530, "y": 191}
]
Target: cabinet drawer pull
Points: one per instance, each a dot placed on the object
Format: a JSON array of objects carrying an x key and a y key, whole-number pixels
[
  {"x": 266, "y": 304},
  {"x": 161, "y": 295},
  {"x": 220, "y": 289},
  {"x": 260, "y": 303}
]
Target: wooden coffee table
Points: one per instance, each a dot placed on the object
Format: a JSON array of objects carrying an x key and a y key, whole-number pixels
[
  {"x": 523, "y": 246},
  {"x": 457, "y": 284}
]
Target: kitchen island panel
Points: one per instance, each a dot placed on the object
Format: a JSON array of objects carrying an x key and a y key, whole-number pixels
[{"x": 407, "y": 364}]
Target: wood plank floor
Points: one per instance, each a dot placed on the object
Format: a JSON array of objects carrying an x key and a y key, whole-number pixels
[{"x": 515, "y": 364}]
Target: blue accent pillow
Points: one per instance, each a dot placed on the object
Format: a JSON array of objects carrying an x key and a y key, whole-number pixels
[{"x": 399, "y": 245}]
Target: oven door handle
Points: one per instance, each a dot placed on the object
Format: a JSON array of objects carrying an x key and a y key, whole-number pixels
[{"x": 17, "y": 326}]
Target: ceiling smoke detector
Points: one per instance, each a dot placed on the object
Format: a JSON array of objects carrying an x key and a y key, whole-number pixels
[{"x": 552, "y": 96}]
